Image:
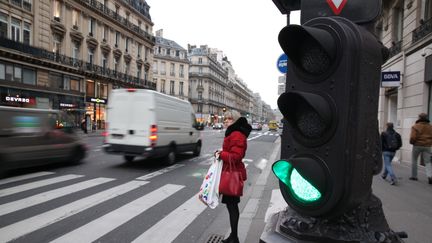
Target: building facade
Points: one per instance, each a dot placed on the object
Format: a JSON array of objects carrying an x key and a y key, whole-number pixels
[
  {"x": 170, "y": 67},
  {"x": 405, "y": 28},
  {"x": 69, "y": 54}
]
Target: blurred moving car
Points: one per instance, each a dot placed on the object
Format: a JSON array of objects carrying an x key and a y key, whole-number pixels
[
  {"x": 256, "y": 126},
  {"x": 273, "y": 126},
  {"x": 218, "y": 126},
  {"x": 147, "y": 123},
  {"x": 30, "y": 137}
]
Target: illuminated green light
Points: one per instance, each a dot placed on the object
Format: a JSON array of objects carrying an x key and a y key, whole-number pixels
[
  {"x": 300, "y": 187},
  {"x": 303, "y": 189}
]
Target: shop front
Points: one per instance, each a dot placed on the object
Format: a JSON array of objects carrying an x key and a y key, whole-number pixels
[{"x": 96, "y": 111}]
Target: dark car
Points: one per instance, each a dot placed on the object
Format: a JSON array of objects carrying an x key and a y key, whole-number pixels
[
  {"x": 218, "y": 126},
  {"x": 30, "y": 137}
]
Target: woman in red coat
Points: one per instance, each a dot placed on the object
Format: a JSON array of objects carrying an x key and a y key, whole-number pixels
[{"x": 233, "y": 150}]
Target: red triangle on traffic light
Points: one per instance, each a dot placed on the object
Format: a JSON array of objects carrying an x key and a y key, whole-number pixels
[{"x": 337, "y": 5}]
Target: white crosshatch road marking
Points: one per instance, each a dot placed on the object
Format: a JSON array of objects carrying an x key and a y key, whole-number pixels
[
  {"x": 103, "y": 225},
  {"x": 37, "y": 184},
  {"x": 34, "y": 223},
  {"x": 174, "y": 223},
  {"x": 50, "y": 195},
  {"x": 25, "y": 177}
]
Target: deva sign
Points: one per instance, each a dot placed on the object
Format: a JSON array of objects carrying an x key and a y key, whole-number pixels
[{"x": 390, "y": 79}]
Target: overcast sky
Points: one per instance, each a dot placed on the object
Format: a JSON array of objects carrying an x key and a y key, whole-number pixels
[{"x": 246, "y": 31}]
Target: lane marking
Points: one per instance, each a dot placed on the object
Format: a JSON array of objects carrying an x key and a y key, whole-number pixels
[
  {"x": 34, "y": 223},
  {"x": 50, "y": 195},
  {"x": 36, "y": 184},
  {"x": 24, "y": 177},
  {"x": 108, "y": 222},
  {"x": 159, "y": 172},
  {"x": 167, "y": 229}
]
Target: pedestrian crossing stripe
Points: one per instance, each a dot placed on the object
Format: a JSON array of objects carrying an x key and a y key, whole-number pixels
[
  {"x": 37, "y": 184},
  {"x": 103, "y": 225},
  {"x": 159, "y": 172},
  {"x": 50, "y": 195},
  {"x": 24, "y": 177},
  {"x": 34, "y": 223},
  {"x": 174, "y": 223}
]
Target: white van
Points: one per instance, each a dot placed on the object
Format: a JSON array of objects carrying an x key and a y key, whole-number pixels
[{"x": 146, "y": 123}]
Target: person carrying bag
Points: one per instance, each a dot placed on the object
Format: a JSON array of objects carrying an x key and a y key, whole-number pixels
[
  {"x": 209, "y": 190},
  {"x": 233, "y": 170}
]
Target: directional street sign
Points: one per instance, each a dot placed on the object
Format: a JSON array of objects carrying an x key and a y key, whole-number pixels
[{"x": 282, "y": 63}]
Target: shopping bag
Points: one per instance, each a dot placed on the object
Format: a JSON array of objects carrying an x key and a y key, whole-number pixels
[
  {"x": 231, "y": 181},
  {"x": 209, "y": 190}
]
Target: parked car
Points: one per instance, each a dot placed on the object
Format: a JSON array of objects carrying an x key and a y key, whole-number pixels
[
  {"x": 256, "y": 126},
  {"x": 218, "y": 126},
  {"x": 147, "y": 124},
  {"x": 31, "y": 137}
]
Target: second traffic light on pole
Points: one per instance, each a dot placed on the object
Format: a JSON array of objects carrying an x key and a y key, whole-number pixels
[{"x": 330, "y": 146}]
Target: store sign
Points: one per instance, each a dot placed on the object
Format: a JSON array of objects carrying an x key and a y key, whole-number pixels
[
  {"x": 17, "y": 99},
  {"x": 96, "y": 100},
  {"x": 390, "y": 79},
  {"x": 67, "y": 105}
]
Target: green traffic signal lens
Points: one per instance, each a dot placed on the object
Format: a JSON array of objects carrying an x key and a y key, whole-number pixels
[{"x": 299, "y": 187}]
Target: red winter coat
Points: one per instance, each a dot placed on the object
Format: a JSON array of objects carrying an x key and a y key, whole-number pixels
[{"x": 233, "y": 150}]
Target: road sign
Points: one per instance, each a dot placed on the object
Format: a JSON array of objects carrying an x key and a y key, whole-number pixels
[
  {"x": 390, "y": 79},
  {"x": 282, "y": 63},
  {"x": 336, "y": 5}
]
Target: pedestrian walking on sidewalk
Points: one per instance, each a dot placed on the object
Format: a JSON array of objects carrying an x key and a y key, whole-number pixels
[
  {"x": 391, "y": 141},
  {"x": 421, "y": 139},
  {"x": 233, "y": 151}
]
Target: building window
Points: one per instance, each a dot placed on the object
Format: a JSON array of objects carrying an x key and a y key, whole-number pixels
[
  {"x": 29, "y": 76},
  {"x": 139, "y": 50},
  {"x": 200, "y": 95},
  {"x": 57, "y": 10},
  {"x": 127, "y": 44},
  {"x": 57, "y": 44},
  {"x": 155, "y": 67},
  {"x": 75, "y": 52},
  {"x": 200, "y": 108},
  {"x": 3, "y": 25},
  {"x": 17, "y": 73},
  {"x": 162, "y": 68},
  {"x": 104, "y": 62},
  {"x": 117, "y": 39},
  {"x": 162, "y": 86},
  {"x": 398, "y": 15},
  {"x": 75, "y": 18},
  {"x": 90, "y": 58},
  {"x": 15, "y": 29},
  {"x": 177, "y": 53},
  {"x": 9, "y": 72},
  {"x": 55, "y": 80},
  {"x": 139, "y": 71},
  {"x": 90, "y": 88},
  {"x": 172, "y": 69},
  {"x": 92, "y": 29},
  {"x": 172, "y": 87},
  {"x": 75, "y": 84},
  {"x": 116, "y": 64},
  {"x": 200, "y": 60},
  {"x": 181, "y": 88},
  {"x": 27, "y": 33},
  {"x": 126, "y": 68},
  {"x": 427, "y": 7},
  {"x": 66, "y": 82},
  {"x": 200, "y": 70},
  {"x": 105, "y": 33},
  {"x": 181, "y": 70}
]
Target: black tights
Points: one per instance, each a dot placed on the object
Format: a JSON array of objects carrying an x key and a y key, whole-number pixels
[{"x": 234, "y": 214}]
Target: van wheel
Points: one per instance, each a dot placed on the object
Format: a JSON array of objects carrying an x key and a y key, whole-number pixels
[
  {"x": 197, "y": 150},
  {"x": 171, "y": 157},
  {"x": 129, "y": 158}
]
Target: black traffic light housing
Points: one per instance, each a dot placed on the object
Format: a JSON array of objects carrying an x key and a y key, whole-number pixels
[{"x": 330, "y": 143}]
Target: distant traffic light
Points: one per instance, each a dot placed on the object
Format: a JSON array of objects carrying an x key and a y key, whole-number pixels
[
  {"x": 330, "y": 144},
  {"x": 224, "y": 109}
]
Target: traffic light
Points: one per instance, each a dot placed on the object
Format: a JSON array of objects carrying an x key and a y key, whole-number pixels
[
  {"x": 330, "y": 142},
  {"x": 224, "y": 109}
]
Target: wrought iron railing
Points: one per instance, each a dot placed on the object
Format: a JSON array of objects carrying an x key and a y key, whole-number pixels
[
  {"x": 79, "y": 65},
  {"x": 423, "y": 30},
  {"x": 395, "y": 49},
  {"x": 100, "y": 7}
]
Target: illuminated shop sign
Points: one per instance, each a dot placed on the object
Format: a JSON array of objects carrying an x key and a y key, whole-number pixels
[
  {"x": 96, "y": 100},
  {"x": 67, "y": 105},
  {"x": 17, "y": 99}
]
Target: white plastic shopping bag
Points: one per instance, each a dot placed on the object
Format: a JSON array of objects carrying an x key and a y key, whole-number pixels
[{"x": 209, "y": 190}]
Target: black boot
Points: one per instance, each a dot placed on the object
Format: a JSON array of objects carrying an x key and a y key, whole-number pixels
[{"x": 231, "y": 239}]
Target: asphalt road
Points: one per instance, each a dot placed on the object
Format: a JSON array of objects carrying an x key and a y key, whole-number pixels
[{"x": 105, "y": 199}]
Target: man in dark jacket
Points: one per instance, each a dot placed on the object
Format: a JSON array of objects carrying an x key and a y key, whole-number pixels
[
  {"x": 391, "y": 141},
  {"x": 421, "y": 139}
]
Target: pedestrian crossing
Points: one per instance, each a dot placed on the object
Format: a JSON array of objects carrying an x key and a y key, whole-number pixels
[{"x": 165, "y": 229}]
